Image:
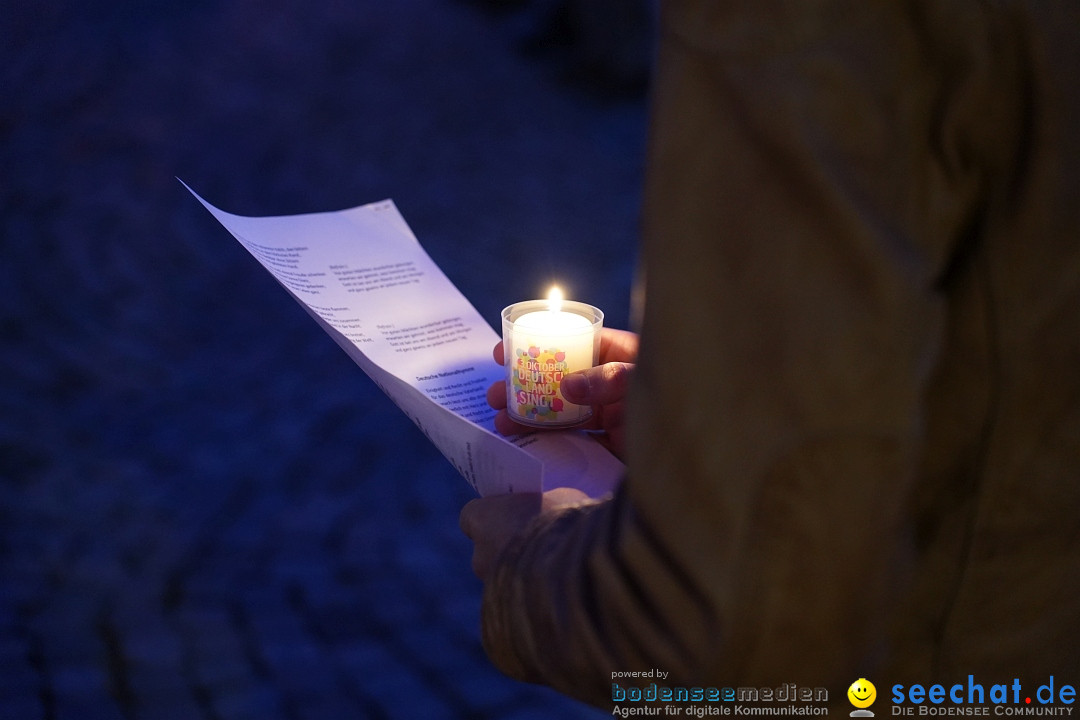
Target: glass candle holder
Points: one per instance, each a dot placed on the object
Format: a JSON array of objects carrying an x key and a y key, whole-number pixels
[{"x": 543, "y": 340}]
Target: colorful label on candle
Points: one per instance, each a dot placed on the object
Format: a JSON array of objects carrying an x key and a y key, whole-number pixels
[{"x": 536, "y": 378}]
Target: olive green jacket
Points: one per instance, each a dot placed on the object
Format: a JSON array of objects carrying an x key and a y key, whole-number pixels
[{"x": 855, "y": 422}]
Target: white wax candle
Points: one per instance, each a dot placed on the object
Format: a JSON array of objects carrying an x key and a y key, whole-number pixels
[
  {"x": 541, "y": 347},
  {"x": 548, "y": 322}
]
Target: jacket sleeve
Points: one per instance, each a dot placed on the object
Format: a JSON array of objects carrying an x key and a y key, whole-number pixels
[{"x": 810, "y": 182}]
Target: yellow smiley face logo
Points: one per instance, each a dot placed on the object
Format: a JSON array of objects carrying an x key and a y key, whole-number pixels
[{"x": 862, "y": 693}]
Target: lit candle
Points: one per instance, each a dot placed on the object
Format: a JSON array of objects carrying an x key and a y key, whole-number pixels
[{"x": 543, "y": 340}]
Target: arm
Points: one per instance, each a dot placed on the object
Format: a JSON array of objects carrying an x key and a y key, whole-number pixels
[{"x": 793, "y": 235}]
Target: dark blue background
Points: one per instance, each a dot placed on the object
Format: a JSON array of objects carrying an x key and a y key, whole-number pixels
[{"x": 206, "y": 510}]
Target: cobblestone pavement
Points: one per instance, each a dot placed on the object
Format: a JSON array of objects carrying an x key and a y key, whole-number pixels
[{"x": 206, "y": 510}]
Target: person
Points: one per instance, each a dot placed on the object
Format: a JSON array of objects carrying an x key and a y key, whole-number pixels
[{"x": 852, "y": 428}]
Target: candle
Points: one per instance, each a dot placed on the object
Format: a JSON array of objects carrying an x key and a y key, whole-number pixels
[{"x": 543, "y": 340}]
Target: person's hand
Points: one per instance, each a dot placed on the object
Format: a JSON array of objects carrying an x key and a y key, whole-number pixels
[
  {"x": 493, "y": 522},
  {"x": 603, "y": 387}
]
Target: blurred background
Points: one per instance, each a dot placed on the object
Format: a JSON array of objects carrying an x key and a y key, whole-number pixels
[{"x": 206, "y": 510}]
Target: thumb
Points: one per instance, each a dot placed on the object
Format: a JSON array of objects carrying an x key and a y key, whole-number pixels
[{"x": 600, "y": 385}]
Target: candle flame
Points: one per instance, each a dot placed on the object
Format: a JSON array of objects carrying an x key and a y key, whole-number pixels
[{"x": 555, "y": 299}]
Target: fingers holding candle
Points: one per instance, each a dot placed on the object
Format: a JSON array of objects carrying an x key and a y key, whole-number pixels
[
  {"x": 497, "y": 353},
  {"x": 496, "y": 398},
  {"x": 618, "y": 346},
  {"x": 600, "y": 385},
  {"x": 603, "y": 388},
  {"x": 496, "y": 395}
]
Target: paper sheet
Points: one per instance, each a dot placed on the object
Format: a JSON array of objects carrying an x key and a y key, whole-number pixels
[{"x": 363, "y": 276}]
